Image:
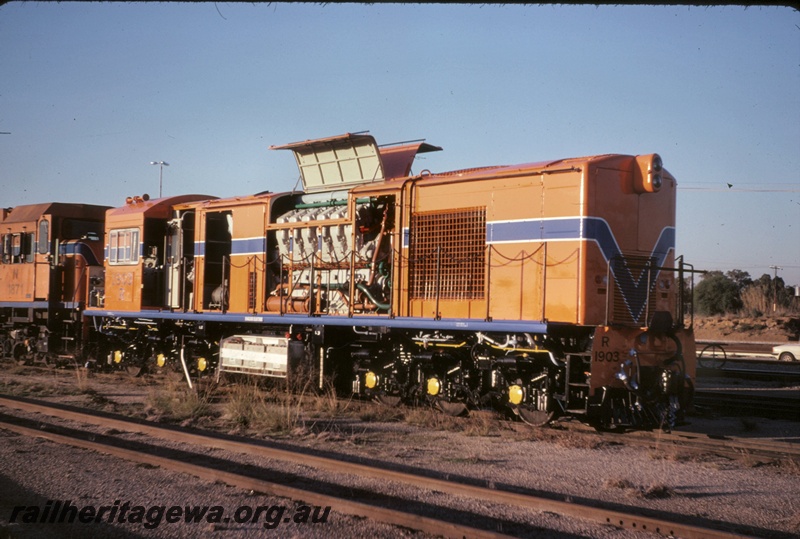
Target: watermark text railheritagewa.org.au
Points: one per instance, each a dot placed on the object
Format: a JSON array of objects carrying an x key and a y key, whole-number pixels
[{"x": 153, "y": 516}]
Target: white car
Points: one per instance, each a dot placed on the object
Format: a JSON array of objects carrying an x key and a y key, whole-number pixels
[{"x": 787, "y": 352}]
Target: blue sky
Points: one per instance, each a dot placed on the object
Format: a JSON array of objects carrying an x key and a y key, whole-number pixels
[{"x": 91, "y": 93}]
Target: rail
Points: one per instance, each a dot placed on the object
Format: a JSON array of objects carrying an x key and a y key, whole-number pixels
[{"x": 489, "y": 494}]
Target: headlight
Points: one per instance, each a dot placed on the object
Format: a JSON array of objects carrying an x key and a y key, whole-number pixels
[
  {"x": 647, "y": 175},
  {"x": 656, "y": 165}
]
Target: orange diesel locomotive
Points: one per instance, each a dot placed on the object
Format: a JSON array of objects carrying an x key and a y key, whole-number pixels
[
  {"x": 49, "y": 255},
  {"x": 544, "y": 288}
]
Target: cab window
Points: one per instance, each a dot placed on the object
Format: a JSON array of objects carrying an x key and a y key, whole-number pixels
[
  {"x": 18, "y": 248},
  {"x": 44, "y": 237},
  {"x": 28, "y": 246},
  {"x": 123, "y": 247}
]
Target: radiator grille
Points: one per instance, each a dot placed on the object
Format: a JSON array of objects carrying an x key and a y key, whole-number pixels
[
  {"x": 447, "y": 254},
  {"x": 633, "y": 298}
]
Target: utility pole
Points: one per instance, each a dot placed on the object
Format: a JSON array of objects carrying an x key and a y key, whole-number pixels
[
  {"x": 161, "y": 165},
  {"x": 775, "y": 288}
]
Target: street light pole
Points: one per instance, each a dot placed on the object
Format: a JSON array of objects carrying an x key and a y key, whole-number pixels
[
  {"x": 161, "y": 165},
  {"x": 775, "y": 288}
]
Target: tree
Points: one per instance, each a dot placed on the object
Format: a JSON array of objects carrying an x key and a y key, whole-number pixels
[
  {"x": 717, "y": 294},
  {"x": 741, "y": 278}
]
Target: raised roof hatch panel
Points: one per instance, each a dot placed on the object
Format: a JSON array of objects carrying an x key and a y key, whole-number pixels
[
  {"x": 398, "y": 158},
  {"x": 337, "y": 162}
]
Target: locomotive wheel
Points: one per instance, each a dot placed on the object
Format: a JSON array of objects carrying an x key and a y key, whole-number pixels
[
  {"x": 453, "y": 409},
  {"x": 388, "y": 400},
  {"x": 135, "y": 369},
  {"x": 534, "y": 418},
  {"x": 163, "y": 365}
]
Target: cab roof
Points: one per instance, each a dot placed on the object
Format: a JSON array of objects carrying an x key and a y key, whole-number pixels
[
  {"x": 34, "y": 212},
  {"x": 157, "y": 207}
]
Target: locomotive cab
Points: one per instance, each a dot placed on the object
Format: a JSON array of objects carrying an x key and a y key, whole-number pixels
[
  {"x": 48, "y": 255},
  {"x": 136, "y": 274}
]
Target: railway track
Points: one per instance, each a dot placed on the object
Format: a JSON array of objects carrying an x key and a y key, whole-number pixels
[
  {"x": 750, "y": 369},
  {"x": 734, "y": 448},
  {"x": 755, "y": 404},
  {"x": 622, "y": 517},
  {"x": 199, "y": 466}
]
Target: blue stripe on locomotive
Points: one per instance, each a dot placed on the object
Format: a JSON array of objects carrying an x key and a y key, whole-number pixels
[
  {"x": 80, "y": 249},
  {"x": 239, "y": 246},
  {"x": 591, "y": 229}
]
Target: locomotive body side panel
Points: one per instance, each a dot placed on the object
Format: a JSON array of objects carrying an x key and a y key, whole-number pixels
[
  {"x": 18, "y": 282},
  {"x": 19, "y": 265},
  {"x": 230, "y": 255},
  {"x": 123, "y": 280},
  {"x": 631, "y": 236},
  {"x": 248, "y": 256},
  {"x": 529, "y": 256}
]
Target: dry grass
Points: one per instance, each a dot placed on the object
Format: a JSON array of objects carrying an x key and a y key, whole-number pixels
[
  {"x": 475, "y": 424},
  {"x": 791, "y": 466},
  {"x": 379, "y": 413},
  {"x": 177, "y": 403},
  {"x": 675, "y": 454},
  {"x": 427, "y": 418},
  {"x": 557, "y": 434},
  {"x": 327, "y": 403},
  {"x": 81, "y": 378},
  {"x": 652, "y": 492},
  {"x": 253, "y": 408},
  {"x": 657, "y": 492}
]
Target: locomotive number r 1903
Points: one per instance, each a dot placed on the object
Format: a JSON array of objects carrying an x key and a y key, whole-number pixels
[{"x": 601, "y": 355}]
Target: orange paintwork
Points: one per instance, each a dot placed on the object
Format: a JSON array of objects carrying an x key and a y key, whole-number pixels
[
  {"x": 548, "y": 278},
  {"x": 124, "y": 281},
  {"x": 552, "y": 230},
  {"x": 245, "y": 254},
  {"x": 613, "y": 349},
  {"x": 28, "y": 278}
]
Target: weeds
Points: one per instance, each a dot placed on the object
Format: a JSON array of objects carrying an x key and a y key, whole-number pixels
[
  {"x": 251, "y": 407},
  {"x": 81, "y": 378},
  {"x": 475, "y": 424},
  {"x": 327, "y": 403},
  {"x": 179, "y": 404},
  {"x": 652, "y": 492},
  {"x": 657, "y": 492},
  {"x": 672, "y": 453},
  {"x": 382, "y": 414},
  {"x": 428, "y": 418}
]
